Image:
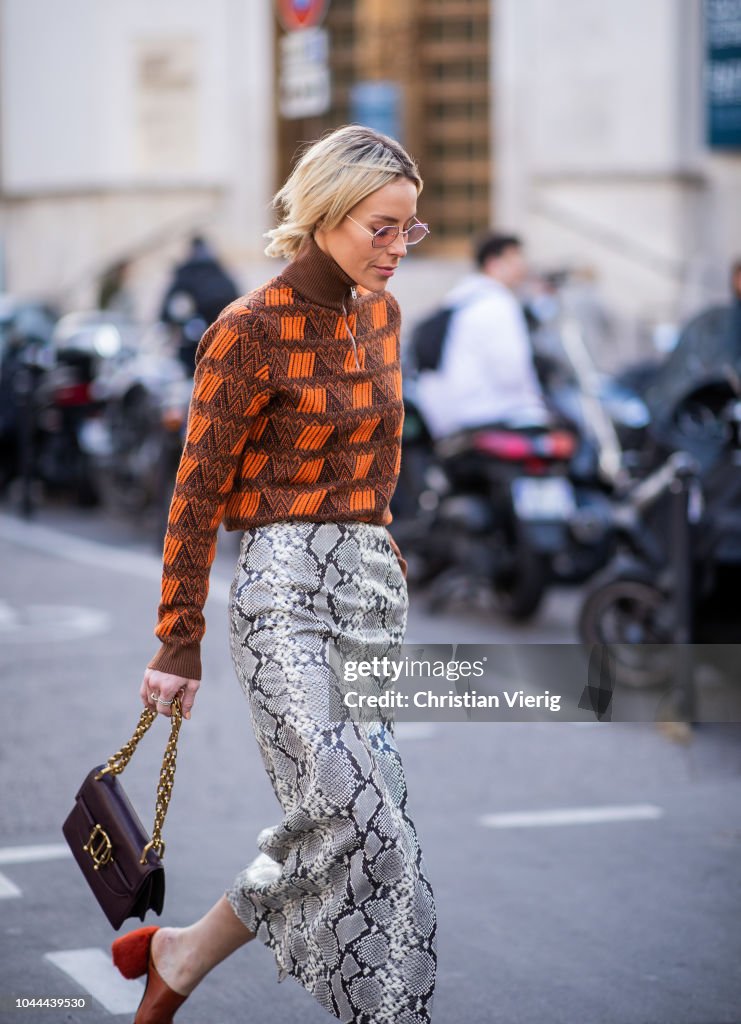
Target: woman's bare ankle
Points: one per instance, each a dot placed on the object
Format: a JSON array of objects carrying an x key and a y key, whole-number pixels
[
  {"x": 184, "y": 956},
  {"x": 176, "y": 962}
]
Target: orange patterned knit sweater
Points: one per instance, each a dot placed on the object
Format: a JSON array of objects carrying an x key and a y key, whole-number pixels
[{"x": 296, "y": 413}]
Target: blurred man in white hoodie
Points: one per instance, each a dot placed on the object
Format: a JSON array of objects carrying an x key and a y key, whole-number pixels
[{"x": 486, "y": 374}]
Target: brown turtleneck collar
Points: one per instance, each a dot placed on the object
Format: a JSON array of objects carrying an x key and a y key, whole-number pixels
[{"x": 318, "y": 277}]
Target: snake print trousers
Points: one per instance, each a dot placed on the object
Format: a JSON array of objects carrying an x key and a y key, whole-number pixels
[{"x": 339, "y": 890}]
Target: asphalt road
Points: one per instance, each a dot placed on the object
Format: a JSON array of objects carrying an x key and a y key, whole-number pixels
[{"x": 626, "y": 909}]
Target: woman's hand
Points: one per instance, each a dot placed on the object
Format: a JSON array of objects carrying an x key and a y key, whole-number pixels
[
  {"x": 165, "y": 686},
  {"x": 399, "y": 557}
]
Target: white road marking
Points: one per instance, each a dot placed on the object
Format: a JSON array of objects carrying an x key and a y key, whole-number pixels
[
  {"x": 47, "y": 623},
  {"x": 8, "y": 889},
  {"x": 571, "y": 816},
  {"x": 93, "y": 553},
  {"x": 93, "y": 970},
  {"x": 27, "y": 854}
]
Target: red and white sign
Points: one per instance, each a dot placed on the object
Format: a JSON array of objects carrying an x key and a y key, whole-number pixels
[{"x": 298, "y": 14}]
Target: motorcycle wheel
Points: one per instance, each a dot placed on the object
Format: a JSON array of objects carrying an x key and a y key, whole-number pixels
[
  {"x": 88, "y": 494},
  {"x": 625, "y": 614},
  {"x": 519, "y": 589},
  {"x": 138, "y": 442}
]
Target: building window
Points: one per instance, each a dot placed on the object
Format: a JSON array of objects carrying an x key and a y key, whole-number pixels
[{"x": 445, "y": 83}]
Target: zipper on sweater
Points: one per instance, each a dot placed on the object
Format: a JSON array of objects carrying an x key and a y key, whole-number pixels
[{"x": 352, "y": 336}]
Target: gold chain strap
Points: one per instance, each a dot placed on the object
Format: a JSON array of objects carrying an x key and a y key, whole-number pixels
[{"x": 118, "y": 761}]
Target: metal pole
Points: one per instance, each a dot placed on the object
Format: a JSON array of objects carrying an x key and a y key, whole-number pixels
[
  {"x": 683, "y": 596},
  {"x": 26, "y": 388}
]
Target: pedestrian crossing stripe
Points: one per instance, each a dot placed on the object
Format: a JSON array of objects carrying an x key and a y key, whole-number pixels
[
  {"x": 8, "y": 889},
  {"x": 93, "y": 971},
  {"x": 571, "y": 816},
  {"x": 28, "y": 854}
]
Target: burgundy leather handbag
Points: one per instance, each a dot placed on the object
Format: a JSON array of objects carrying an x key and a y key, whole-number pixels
[{"x": 121, "y": 864}]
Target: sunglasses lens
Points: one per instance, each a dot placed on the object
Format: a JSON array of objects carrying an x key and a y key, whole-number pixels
[
  {"x": 416, "y": 233},
  {"x": 385, "y": 236}
]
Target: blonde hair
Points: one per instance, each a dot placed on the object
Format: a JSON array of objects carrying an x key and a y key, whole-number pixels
[{"x": 332, "y": 176}]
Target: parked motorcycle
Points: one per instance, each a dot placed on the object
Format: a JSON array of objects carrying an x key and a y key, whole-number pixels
[
  {"x": 677, "y": 566},
  {"x": 136, "y": 442},
  {"x": 26, "y": 355},
  {"x": 66, "y": 403},
  {"x": 52, "y": 379},
  {"x": 520, "y": 505},
  {"x": 496, "y": 504}
]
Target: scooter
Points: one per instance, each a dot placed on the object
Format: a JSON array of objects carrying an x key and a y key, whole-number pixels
[
  {"x": 677, "y": 566},
  {"x": 494, "y": 505},
  {"x": 518, "y": 505}
]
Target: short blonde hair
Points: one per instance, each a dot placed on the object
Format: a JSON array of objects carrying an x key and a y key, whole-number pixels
[{"x": 332, "y": 176}]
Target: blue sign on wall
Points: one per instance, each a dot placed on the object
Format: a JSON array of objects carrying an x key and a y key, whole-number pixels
[
  {"x": 377, "y": 105},
  {"x": 723, "y": 73}
]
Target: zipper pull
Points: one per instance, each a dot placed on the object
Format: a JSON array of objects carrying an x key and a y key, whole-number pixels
[{"x": 352, "y": 337}]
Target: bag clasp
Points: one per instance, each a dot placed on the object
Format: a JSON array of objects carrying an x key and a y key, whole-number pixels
[{"x": 99, "y": 847}]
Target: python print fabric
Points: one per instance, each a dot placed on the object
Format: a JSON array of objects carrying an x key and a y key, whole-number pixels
[{"x": 339, "y": 891}]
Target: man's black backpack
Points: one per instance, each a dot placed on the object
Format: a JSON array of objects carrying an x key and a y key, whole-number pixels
[{"x": 428, "y": 339}]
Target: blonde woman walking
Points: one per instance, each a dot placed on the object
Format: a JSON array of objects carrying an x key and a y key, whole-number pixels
[{"x": 294, "y": 438}]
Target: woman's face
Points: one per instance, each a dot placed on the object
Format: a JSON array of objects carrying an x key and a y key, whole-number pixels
[{"x": 350, "y": 246}]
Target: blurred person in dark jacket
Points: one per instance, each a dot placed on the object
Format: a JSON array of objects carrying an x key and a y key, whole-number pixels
[
  {"x": 200, "y": 289},
  {"x": 202, "y": 277}
]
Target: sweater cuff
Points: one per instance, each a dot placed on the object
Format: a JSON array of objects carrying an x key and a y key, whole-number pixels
[{"x": 178, "y": 660}]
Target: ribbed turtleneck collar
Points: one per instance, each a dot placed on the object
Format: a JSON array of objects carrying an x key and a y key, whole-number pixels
[{"x": 318, "y": 277}]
